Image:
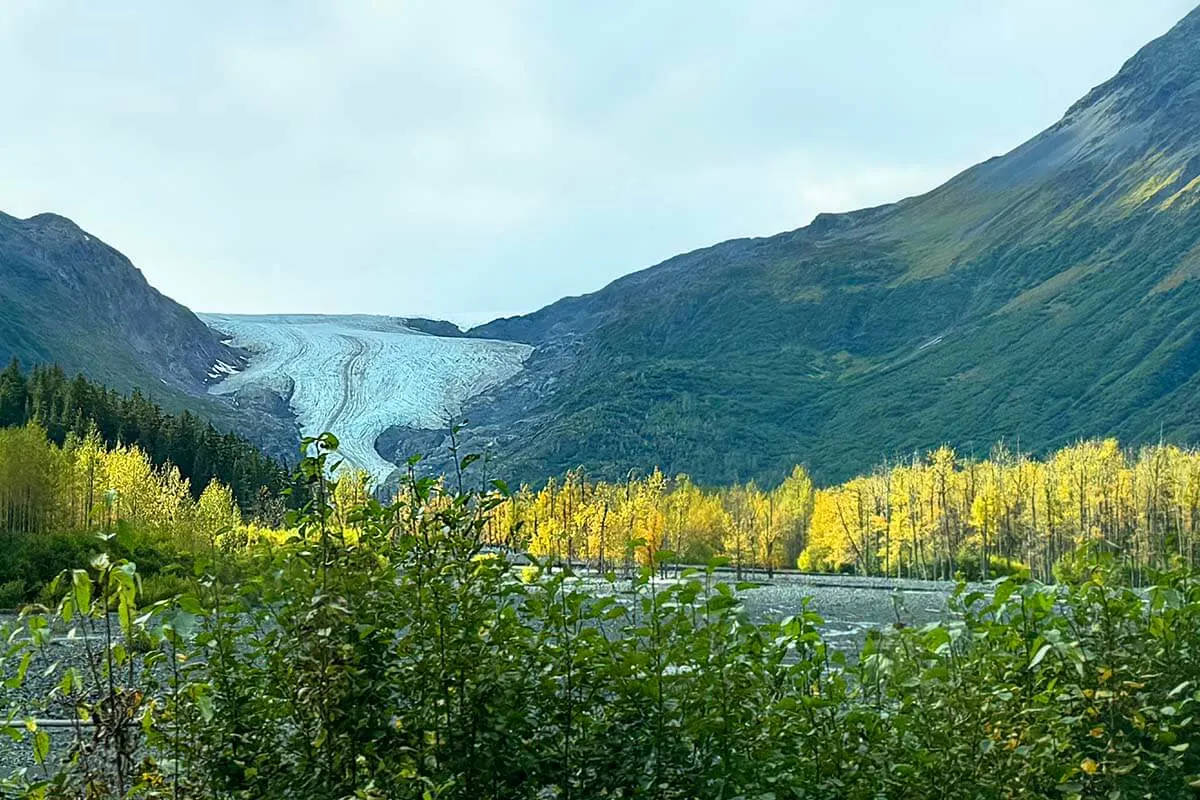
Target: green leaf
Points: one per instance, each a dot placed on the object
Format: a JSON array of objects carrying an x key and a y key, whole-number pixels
[
  {"x": 1004, "y": 591},
  {"x": 204, "y": 705},
  {"x": 1039, "y": 655},
  {"x": 41, "y": 746},
  {"x": 17, "y": 680},
  {"x": 126, "y": 537},
  {"x": 190, "y": 604},
  {"x": 1180, "y": 689},
  {"x": 81, "y": 590}
]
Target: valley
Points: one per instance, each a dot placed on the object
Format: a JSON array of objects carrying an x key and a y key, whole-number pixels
[
  {"x": 1043, "y": 296},
  {"x": 903, "y": 502}
]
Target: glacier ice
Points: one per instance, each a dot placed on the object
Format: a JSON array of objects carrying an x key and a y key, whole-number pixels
[{"x": 356, "y": 376}]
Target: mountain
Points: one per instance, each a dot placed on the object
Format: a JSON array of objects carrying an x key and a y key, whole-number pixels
[
  {"x": 1041, "y": 296},
  {"x": 65, "y": 296},
  {"x": 68, "y": 298},
  {"x": 1048, "y": 294}
]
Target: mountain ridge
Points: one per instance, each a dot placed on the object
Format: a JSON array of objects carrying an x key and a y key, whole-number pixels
[
  {"x": 1040, "y": 295},
  {"x": 51, "y": 266},
  {"x": 68, "y": 298},
  {"x": 1045, "y": 294}
]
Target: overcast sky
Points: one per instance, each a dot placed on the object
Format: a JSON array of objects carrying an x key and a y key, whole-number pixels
[{"x": 466, "y": 160}]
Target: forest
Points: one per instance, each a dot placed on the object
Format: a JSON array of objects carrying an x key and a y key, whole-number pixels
[
  {"x": 934, "y": 516},
  {"x": 57, "y": 502},
  {"x": 331, "y": 642},
  {"x": 381, "y": 651},
  {"x": 65, "y": 406}
]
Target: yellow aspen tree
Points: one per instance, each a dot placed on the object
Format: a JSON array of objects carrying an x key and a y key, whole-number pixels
[
  {"x": 793, "y": 511},
  {"x": 829, "y": 548},
  {"x": 739, "y": 540},
  {"x": 217, "y": 516}
]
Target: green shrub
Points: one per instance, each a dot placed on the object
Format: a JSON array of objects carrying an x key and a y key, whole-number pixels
[
  {"x": 163, "y": 586},
  {"x": 405, "y": 664},
  {"x": 12, "y": 594},
  {"x": 30, "y": 562},
  {"x": 35, "y": 559}
]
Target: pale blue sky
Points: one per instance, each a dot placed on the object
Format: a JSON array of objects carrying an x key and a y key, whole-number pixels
[{"x": 466, "y": 160}]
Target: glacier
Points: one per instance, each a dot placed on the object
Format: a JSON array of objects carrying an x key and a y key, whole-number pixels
[{"x": 358, "y": 375}]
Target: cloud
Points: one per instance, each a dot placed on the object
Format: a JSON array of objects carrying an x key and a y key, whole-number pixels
[{"x": 474, "y": 157}]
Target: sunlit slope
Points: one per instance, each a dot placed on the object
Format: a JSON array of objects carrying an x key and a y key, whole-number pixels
[
  {"x": 359, "y": 375},
  {"x": 1044, "y": 295}
]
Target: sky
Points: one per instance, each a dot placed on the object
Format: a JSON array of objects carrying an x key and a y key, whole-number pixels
[{"x": 470, "y": 159}]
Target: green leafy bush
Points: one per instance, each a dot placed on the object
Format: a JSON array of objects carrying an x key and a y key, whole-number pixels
[
  {"x": 404, "y": 662},
  {"x": 30, "y": 562},
  {"x": 13, "y": 593},
  {"x": 34, "y": 560}
]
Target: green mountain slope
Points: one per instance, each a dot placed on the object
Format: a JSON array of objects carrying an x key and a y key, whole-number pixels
[
  {"x": 1041, "y": 296},
  {"x": 68, "y": 298}
]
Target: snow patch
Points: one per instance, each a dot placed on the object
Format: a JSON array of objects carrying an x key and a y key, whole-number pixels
[
  {"x": 357, "y": 376},
  {"x": 221, "y": 369},
  {"x": 931, "y": 342}
]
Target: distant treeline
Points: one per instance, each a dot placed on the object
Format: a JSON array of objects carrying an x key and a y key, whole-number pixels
[
  {"x": 932, "y": 516},
  {"x": 77, "y": 407}
]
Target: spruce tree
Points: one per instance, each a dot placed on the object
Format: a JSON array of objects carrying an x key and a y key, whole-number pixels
[{"x": 13, "y": 394}]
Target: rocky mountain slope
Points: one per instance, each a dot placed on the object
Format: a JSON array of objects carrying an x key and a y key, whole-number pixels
[
  {"x": 67, "y": 297},
  {"x": 1044, "y": 295}
]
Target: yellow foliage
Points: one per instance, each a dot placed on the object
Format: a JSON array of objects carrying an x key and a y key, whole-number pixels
[
  {"x": 933, "y": 517},
  {"x": 1150, "y": 187}
]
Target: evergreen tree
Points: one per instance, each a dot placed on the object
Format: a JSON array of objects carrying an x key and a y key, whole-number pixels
[
  {"x": 75, "y": 407},
  {"x": 13, "y": 390}
]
